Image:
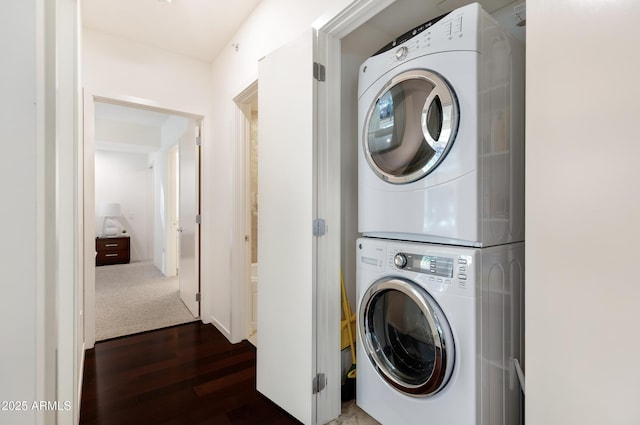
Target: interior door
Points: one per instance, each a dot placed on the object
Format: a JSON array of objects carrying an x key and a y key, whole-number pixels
[
  {"x": 286, "y": 362},
  {"x": 189, "y": 247}
]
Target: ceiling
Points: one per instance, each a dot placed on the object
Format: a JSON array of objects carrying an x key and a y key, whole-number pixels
[{"x": 195, "y": 28}]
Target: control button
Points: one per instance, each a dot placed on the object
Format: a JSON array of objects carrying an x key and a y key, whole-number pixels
[
  {"x": 462, "y": 261},
  {"x": 462, "y": 269},
  {"x": 401, "y": 53},
  {"x": 400, "y": 260},
  {"x": 458, "y": 25},
  {"x": 462, "y": 276},
  {"x": 447, "y": 281}
]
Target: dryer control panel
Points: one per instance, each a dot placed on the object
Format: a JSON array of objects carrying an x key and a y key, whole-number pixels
[
  {"x": 409, "y": 35},
  {"x": 457, "y": 31}
]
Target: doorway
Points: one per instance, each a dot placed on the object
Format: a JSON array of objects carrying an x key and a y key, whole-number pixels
[
  {"x": 146, "y": 141},
  {"x": 247, "y": 151}
]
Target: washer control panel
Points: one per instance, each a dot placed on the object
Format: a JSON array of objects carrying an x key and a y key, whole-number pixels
[{"x": 428, "y": 264}]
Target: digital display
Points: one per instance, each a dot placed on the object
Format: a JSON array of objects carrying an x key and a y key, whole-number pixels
[{"x": 438, "y": 266}]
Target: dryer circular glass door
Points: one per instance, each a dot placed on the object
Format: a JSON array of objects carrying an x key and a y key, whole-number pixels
[
  {"x": 406, "y": 336},
  {"x": 411, "y": 126}
]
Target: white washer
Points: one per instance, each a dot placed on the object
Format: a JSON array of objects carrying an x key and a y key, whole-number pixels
[
  {"x": 441, "y": 134},
  {"x": 439, "y": 328}
]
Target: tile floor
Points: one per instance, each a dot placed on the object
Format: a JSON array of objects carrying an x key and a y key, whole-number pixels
[{"x": 353, "y": 415}]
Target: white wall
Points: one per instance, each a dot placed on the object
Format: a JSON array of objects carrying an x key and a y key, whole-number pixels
[
  {"x": 117, "y": 67},
  {"x": 125, "y": 178},
  {"x": 583, "y": 212},
  {"x": 272, "y": 24},
  {"x": 21, "y": 186},
  {"x": 38, "y": 175}
]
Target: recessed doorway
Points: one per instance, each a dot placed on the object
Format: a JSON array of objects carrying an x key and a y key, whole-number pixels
[{"x": 247, "y": 149}]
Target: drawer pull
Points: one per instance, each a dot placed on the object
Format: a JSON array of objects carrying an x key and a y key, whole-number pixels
[
  {"x": 110, "y": 244},
  {"x": 110, "y": 255}
]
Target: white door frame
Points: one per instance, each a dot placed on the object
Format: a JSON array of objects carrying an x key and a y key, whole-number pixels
[
  {"x": 90, "y": 98},
  {"x": 240, "y": 268},
  {"x": 242, "y": 212},
  {"x": 330, "y": 31}
]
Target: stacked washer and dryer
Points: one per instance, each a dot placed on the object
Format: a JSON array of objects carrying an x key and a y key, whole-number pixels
[{"x": 440, "y": 266}]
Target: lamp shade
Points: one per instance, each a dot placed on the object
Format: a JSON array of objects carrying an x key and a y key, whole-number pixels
[{"x": 110, "y": 210}]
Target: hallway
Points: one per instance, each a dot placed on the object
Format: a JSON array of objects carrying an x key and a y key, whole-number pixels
[{"x": 184, "y": 375}]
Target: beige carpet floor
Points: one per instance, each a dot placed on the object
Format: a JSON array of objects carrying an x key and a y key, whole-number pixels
[{"x": 136, "y": 297}]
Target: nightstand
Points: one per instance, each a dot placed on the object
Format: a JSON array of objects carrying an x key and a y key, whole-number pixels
[{"x": 112, "y": 250}]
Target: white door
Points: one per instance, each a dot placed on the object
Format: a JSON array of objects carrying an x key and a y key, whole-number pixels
[
  {"x": 189, "y": 194},
  {"x": 286, "y": 362},
  {"x": 172, "y": 212}
]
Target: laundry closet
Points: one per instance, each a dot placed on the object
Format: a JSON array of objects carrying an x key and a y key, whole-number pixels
[
  {"x": 307, "y": 345},
  {"x": 396, "y": 385}
]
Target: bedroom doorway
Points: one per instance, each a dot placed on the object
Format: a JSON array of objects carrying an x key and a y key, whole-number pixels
[{"x": 126, "y": 144}]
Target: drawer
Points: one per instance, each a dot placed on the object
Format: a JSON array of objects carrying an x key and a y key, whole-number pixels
[
  {"x": 111, "y": 244},
  {"x": 112, "y": 257},
  {"x": 112, "y": 251}
]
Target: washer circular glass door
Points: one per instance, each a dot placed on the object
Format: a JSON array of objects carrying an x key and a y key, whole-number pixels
[
  {"x": 406, "y": 336},
  {"x": 411, "y": 126}
]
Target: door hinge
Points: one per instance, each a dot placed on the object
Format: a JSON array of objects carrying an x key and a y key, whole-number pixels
[
  {"x": 318, "y": 383},
  {"x": 198, "y": 219},
  {"x": 198, "y": 141},
  {"x": 319, "y": 71},
  {"x": 319, "y": 227},
  {"x": 198, "y": 297}
]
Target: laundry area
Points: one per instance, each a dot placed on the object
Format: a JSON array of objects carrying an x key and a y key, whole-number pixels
[
  {"x": 440, "y": 266},
  {"x": 431, "y": 148}
]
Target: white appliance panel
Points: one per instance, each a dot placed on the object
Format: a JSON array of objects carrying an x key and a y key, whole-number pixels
[
  {"x": 482, "y": 302},
  {"x": 475, "y": 195}
]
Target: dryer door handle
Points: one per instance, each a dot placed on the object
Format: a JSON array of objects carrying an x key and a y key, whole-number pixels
[{"x": 439, "y": 116}]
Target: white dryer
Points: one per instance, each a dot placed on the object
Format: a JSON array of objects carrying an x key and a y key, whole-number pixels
[
  {"x": 438, "y": 330},
  {"x": 441, "y": 134}
]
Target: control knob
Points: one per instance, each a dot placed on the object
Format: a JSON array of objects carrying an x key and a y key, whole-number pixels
[
  {"x": 401, "y": 53},
  {"x": 400, "y": 260}
]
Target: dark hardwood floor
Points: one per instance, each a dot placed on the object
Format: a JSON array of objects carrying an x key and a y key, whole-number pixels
[{"x": 183, "y": 375}]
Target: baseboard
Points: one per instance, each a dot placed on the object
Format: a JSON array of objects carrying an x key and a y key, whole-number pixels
[
  {"x": 80, "y": 379},
  {"x": 221, "y": 328}
]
